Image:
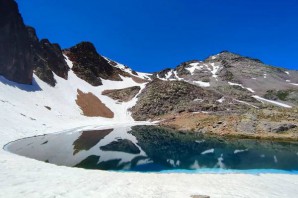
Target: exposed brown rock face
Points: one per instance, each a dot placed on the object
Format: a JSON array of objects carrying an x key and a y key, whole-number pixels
[
  {"x": 92, "y": 106},
  {"x": 16, "y": 55},
  {"x": 122, "y": 95},
  {"x": 162, "y": 97},
  {"x": 276, "y": 123},
  {"x": 88, "y": 139}
]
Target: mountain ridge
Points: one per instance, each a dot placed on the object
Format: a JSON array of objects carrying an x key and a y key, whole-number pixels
[{"x": 223, "y": 84}]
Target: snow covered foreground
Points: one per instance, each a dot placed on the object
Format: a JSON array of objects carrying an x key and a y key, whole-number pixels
[{"x": 23, "y": 114}]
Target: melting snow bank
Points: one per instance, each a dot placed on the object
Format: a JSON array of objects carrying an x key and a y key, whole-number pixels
[
  {"x": 271, "y": 101},
  {"x": 25, "y": 177},
  {"x": 202, "y": 84},
  {"x": 236, "y": 84}
]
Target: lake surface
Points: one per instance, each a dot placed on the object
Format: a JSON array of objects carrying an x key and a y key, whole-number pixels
[{"x": 156, "y": 149}]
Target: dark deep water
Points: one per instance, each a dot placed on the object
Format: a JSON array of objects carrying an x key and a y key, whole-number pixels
[{"x": 155, "y": 149}]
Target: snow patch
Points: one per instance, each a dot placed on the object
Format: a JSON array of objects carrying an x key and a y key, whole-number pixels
[
  {"x": 207, "y": 151},
  {"x": 193, "y": 67},
  {"x": 240, "y": 151},
  {"x": 169, "y": 74},
  {"x": 202, "y": 84},
  {"x": 271, "y": 101},
  {"x": 221, "y": 100},
  {"x": 275, "y": 159},
  {"x": 176, "y": 75},
  {"x": 201, "y": 141},
  {"x": 198, "y": 100},
  {"x": 142, "y": 75},
  {"x": 236, "y": 84},
  {"x": 215, "y": 69},
  {"x": 251, "y": 90},
  {"x": 68, "y": 62}
]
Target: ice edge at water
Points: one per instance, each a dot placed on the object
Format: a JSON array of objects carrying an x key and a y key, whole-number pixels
[{"x": 222, "y": 171}]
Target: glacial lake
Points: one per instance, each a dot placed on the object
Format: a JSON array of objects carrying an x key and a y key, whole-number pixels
[{"x": 156, "y": 149}]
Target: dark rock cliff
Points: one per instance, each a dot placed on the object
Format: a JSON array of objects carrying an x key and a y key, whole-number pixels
[
  {"x": 47, "y": 58},
  {"x": 16, "y": 54},
  {"x": 90, "y": 66},
  {"x": 22, "y": 52}
]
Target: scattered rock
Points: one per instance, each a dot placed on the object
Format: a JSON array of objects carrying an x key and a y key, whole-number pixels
[
  {"x": 283, "y": 127},
  {"x": 276, "y": 127},
  {"x": 200, "y": 196},
  {"x": 161, "y": 97},
  {"x": 246, "y": 127},
  {"x": 47, "y": 107}
]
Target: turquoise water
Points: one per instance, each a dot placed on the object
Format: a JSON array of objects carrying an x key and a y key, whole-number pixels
[{"x": 155, "y": 149}]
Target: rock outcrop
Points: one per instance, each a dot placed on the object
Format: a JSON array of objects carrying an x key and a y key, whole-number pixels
[
  {"x": 162, "y": 97},
  {"x": 122, "y": 95},
  {"x": 16, "y": 54},
  {"x": 273, "y": 123},
  {"x": 235, "y": 76},
  {"x": 22, "y": 52},
  {"x": 47, "y": 58},
  {"x": 90, "y": 66}
]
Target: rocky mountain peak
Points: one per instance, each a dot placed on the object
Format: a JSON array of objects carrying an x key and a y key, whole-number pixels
[
  {"x": 230, "y": 56},
  {"x": 85, "y": 46},
  {"x": 22, "y": 52},
  {"x": 9, "y": 9},
  {"x": 91, "y": 66},
  {"x": 16, "y": 61}
]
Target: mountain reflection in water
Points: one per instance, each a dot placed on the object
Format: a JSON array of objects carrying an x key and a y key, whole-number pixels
[{"x": 151, "y": 148}]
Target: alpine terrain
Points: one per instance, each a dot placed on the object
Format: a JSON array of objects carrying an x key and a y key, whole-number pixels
[{"x": 45, "y": 89}]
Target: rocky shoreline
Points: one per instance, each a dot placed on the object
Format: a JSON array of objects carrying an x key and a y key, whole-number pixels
[{"x": 270, "y": 124}]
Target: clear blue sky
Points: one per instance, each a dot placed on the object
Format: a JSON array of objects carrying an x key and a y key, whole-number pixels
[{"x": 149, "y": 35}]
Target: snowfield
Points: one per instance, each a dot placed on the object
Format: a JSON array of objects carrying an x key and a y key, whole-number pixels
[{"x": 23, "y": 114}]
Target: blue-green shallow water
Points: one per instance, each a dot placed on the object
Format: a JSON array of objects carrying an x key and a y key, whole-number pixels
[{"x": 155, "y": 149}]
